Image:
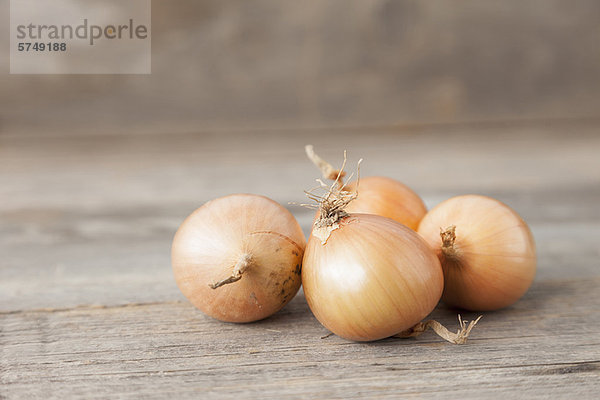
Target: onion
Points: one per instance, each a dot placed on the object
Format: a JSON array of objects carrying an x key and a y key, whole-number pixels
[
  {"x": 378, "y": 195},
  {"x": 389, "y": 198},
  {"x": 238, "y": 258},
  {"x": 366, "y": 277},
  {"x": 486, "y": 250}
]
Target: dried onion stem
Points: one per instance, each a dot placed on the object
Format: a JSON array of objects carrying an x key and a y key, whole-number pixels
[
  {"x": 326, "y": 169},
  {"x": 240, "y": 267}
]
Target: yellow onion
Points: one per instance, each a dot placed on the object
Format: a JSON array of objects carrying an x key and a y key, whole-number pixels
[
  {"x": 366, "y": 277},
  {"x": 238, "y": 258},
  {"x": 379, "y": 195},
  {"x": 486, "y": 250},
  {"x": 389, "y": 198}
]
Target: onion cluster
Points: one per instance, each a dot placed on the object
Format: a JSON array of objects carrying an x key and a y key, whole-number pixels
[
  {"x": 375, "y": 265},
  {"x": 367, "y": 277}
]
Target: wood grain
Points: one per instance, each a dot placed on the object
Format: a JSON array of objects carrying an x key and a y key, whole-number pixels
[
  {"x": 546, "y": 345},
  {"x": 89, "y": 308}
]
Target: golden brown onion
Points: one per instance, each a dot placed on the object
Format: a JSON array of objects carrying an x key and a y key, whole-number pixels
[
  {"x": 389, "y": 198},
  {"x": 487, "y": 251},
  {"x": 366, "y": 277},
  {"x": 238, "y": 258}
]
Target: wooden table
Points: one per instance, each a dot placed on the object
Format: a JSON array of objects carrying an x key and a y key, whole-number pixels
[{"x": 89, "y": 307}]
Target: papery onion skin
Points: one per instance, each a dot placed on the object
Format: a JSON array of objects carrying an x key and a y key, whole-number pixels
[
  {"x": 216, "y": 236},
  {"x": 373, "y": 278},
  {"x": 389, "y": 198},
  {"x": 494, "y": 259}
]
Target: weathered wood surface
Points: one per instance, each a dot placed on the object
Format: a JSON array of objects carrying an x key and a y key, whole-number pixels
[{"x": 89, "y": 309}]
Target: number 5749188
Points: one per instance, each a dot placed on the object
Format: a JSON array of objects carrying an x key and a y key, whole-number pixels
[{"x": 40, "y": 46}]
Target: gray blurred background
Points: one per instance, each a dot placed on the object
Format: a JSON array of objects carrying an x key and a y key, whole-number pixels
[{"x": 268, "y": 64}]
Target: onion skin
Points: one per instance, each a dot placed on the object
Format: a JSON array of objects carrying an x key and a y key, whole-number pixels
[
  {"x": 492, "y": 262},
  {"x": 222, "y": 232},
  {"x": 373, "y": 278},
  {"x": 389, "y": 198}
]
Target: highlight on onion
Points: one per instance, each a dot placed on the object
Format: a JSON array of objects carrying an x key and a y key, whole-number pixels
[
  {"x": 486, "y": 250},
  {"x": 238, "y": 258},
  {"x": 366, "y": 277},
  {"x": 378, "y": 195}
]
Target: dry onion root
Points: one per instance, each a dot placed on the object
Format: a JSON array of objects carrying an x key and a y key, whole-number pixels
[
  {"x": 460, "y": 337},
  {"x": 238, "y": 258},
  {"x": 366, "y": 277},
  {"x": 378, "y": 195},
  {"x": 486, "y": 250}
]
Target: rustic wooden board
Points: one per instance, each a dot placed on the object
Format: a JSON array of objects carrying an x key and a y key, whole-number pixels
[
  {"x": 545, "y": 346},
  {"x": 89, "y": 309}
]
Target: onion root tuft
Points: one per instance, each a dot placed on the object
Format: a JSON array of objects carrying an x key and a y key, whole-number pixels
[
  {"x": 460, "y": 337},
  {"x": 333, "y": 203}
]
